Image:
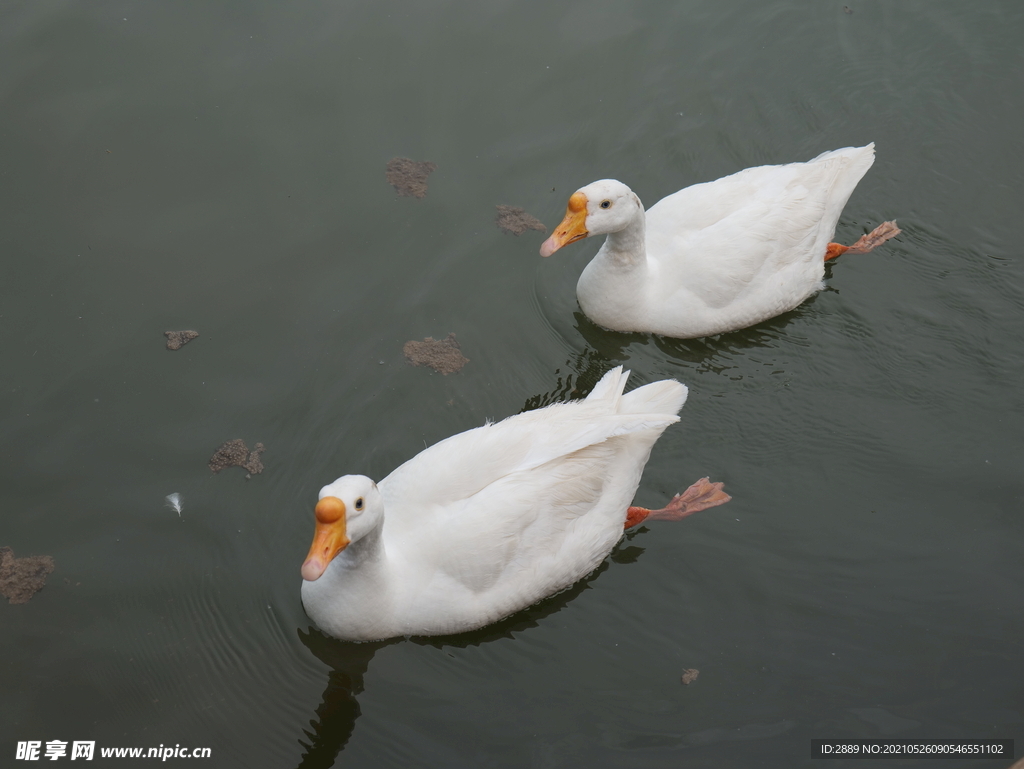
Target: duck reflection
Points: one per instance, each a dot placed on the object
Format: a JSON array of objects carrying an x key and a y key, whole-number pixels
[
  {"x": 605, "y": 349},
  {"x": 337, "y": 714},
  {"x": 585, "y": 370},
  {"x": 611, "y": 346}
]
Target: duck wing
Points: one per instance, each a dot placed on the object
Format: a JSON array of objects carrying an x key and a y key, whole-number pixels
[
  {"x": 726, "y": 238},
  {"x": 459, "y": 467}
]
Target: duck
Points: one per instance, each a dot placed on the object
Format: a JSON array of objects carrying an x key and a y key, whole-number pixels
[
  {"x": 491, "y": 520},
  {"x": 718, "y": 256}
]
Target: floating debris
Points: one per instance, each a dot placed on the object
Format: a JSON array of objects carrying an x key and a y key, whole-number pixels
[
  {"x": 690, "y": 675},
  {"x": 236, "y": 454},
  {"x": 22, "y": 578},
  {"x": 175, "y": 339},
  {"x": 174, "y": 501},
  {"x": 442, "y": 355},
  {"x": 516, "y": 220},
  {"x": 408, "y": 177}
]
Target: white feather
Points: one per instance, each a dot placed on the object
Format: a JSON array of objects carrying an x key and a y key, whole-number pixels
[{"x": 174, "y": 502}]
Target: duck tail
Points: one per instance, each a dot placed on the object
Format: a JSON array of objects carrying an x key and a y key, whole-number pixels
[
  {"x": 664, "y": 397},
  {"x": 610, "y": 386}
]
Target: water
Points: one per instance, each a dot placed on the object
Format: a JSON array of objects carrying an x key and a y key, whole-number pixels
[{"x": 221, "y": 167}]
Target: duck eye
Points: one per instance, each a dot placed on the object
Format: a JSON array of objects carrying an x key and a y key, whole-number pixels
[
  {"x": 359, "y": 504},
  {"x": 606, "y": 204}
]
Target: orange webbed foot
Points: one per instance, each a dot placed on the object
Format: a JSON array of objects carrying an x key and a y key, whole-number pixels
[
  {"x": 865, "y": 243},
  {"x": 875, "y": 238},
  {"x": 700, "y": 496}
]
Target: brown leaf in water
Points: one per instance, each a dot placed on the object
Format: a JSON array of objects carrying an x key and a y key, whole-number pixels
[
  {"x": 22, "y": 578},
  {"x": 175, "y": 339},
  {"x": 517, "y": 221},
  {"x": 441, "y": 355},
  {"x": 408, "y": 177},
  {"x": 690, "y": 675},
  {"x": 236, "y": 454}
]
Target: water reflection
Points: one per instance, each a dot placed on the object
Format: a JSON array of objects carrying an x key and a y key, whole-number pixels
[
  {"x": 605, "y": 349},
  {"x": 586, "y": 368},
  {"x": 339, "y": 709},
  {"x": 701, "y": 352}
]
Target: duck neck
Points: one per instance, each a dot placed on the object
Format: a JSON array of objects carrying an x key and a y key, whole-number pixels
[
  {"x": 361, "y": 574},
  {"x": 613, "y": 288},
  {"x": 354, "y": 597},
  {"x": 366, "y": 553},
  {"x": 627, "y": 248}
]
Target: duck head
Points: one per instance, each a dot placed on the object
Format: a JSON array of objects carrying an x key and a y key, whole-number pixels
[
  {"x": 348, "y": 510},
  {"x": 600, "y": 208}
]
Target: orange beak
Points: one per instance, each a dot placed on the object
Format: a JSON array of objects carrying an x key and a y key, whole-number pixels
[
  {"x": 329, "y": 539},
  {"x": 572, "y": 228}
]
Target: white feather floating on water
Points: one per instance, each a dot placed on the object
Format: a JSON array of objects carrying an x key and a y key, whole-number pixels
[{"x": 174, "y": 502}]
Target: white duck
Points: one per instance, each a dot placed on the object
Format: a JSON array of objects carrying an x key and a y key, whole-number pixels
[
  {"x": 717, "y": 256},
  {"x": 491, "y": 520}
]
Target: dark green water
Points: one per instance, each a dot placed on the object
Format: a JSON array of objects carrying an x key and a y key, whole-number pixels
[{"x": 220, "y": 166}]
